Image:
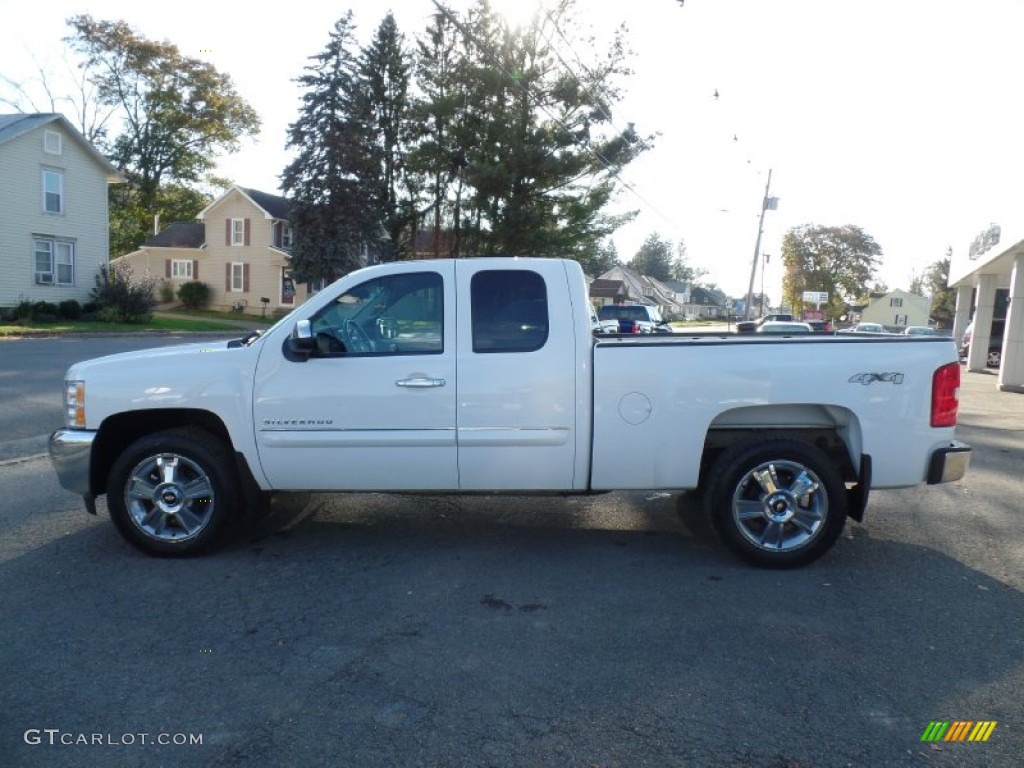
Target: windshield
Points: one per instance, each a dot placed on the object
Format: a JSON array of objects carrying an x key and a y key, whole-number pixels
[{"x": 626, "y": 312}]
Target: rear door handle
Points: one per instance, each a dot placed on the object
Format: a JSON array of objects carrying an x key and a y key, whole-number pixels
[{"x": 420, "y": 382}]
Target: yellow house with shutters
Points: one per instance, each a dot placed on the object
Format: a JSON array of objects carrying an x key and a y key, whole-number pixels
[{"x": 240, "y": 246}]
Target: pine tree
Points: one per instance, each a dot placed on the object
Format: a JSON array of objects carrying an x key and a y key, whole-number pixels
[
  {"x": 333, "y": 182},
  {"x": 521, "y": 152},
  {"x": 384, "y": 69}
]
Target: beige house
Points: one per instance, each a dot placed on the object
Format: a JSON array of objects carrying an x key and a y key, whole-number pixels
[
  {"x": 53, "y": 210},
  {"x": 897, "y": 309},
  {"x": 240, "y": 246}
]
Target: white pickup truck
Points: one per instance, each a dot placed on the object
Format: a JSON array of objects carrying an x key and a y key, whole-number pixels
[{"x": 482, "y": 375}]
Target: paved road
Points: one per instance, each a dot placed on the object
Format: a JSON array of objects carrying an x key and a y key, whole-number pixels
[
  {"x": 379, "y": 630},
  {"x": 31, "y": 376}
]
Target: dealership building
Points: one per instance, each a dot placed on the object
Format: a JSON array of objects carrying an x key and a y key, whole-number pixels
[{"x": 989, "y": 280}]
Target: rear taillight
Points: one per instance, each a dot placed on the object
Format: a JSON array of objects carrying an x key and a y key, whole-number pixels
[{"x": 945, "y": 395}]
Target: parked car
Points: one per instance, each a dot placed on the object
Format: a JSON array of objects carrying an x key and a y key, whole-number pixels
[
  {"x": 780, "y": 326},
  {"x": 995, "y": 342},
  {"x": 868, "y": 328},
  {"x": 820, "y": 326},
  {"x": 602, "y": 327},
  {"x": 919, "y": 330},
  {"x": 635, "y": 318}
]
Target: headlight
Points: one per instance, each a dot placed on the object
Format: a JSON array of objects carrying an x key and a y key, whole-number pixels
[{"x": 74, "y": 404}]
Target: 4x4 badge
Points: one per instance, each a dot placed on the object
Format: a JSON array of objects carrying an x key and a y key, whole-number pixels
[{"x": 871, "y": 378}]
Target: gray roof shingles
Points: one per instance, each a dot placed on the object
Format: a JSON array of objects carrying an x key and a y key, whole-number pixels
[{"x": 180, "y": 234}]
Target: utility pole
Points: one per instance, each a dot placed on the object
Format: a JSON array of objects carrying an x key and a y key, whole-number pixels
[{"x": 765, "y": 204}]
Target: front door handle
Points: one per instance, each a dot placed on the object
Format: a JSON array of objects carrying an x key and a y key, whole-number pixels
[{"x": 420, "y": 382}]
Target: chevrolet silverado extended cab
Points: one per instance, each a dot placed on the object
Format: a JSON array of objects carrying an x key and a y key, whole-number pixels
[{"x": 482, "y": 375}]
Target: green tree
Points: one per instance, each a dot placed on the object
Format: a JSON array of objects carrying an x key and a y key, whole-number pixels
[
  {"x": 657, "y": 258},
  {"x": 434, "y": 160},
  {"x": 176, "y": 114},
  {"x": 335, "y": 179},
  {"x": 384, "y": 70},
  {"x": 936, "y": 279},
  {"x": 840, "y": 261},
  {"x": 522, "y": 153},
  {"x": 654, "y": 258},
  {"x": 600, "y": 260}
]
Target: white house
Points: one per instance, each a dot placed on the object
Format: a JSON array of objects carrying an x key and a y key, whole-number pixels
[{"x": 54, "y": 220}]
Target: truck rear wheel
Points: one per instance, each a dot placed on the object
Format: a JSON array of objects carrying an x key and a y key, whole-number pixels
[
  {"x": 173, "y": 493},
  {"x": 777, "y": 503}
]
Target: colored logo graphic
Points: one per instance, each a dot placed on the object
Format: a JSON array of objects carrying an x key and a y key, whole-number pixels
[{"x": 958, "y": 730}]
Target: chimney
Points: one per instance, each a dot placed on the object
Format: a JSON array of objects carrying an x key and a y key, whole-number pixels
[{"x": 156, "y": 224}]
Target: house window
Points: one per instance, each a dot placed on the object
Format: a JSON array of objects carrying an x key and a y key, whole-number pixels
[
  {"x": 181, "y": 269},
  {"x": 54, "y": 262},
  {"x": 286, "y": 236},
  {"x": 237, "y": 277},
  {"x": 51, "y": 143},
  {"x": 238, "y": 232},
  {"x": 53, "y": 191},
  {"x": 895, "y": 302}
]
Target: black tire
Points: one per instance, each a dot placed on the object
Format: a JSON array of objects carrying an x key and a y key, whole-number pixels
[
  {"x": 777, "y": 502},
  {"x": 173, "y": 493}
]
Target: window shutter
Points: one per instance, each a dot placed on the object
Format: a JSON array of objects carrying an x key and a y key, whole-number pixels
[
  {"x": 167, "y": 267},
  {"x": 245, "y": 269},
  {"x": 227, "y": 276},
  {"x": 195, "y": 269},
  {"x": 247, "y": 228},
  {"x": 227, "y": 231}
]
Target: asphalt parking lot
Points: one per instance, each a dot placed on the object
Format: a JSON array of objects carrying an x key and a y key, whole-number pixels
[{"x": 383, "y": 630}]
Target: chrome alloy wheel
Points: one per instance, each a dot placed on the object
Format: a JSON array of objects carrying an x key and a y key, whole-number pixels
[
  {"x": 169, "y": 497},
  {"x": 779, "y": 506}
]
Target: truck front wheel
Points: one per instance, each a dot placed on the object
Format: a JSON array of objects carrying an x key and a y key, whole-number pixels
[
  {"x": 777, "y": 503},
  {"x": 173, "y": 493}
]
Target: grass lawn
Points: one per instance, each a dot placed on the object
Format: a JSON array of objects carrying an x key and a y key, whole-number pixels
[
  {"x": 187, "y": 322},
  {"x": 233, "y": 317}
]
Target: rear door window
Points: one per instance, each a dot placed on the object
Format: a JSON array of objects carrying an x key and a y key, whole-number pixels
[{"x": 509, "y": 311}]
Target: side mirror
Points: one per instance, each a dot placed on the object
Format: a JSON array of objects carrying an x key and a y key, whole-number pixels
[{"x": 301, "y": 342}]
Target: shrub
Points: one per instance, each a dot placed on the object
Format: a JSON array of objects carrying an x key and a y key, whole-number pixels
[
  {"x": 22, "y": 313},
  {"x": 195, "y": 295},
  {"x": 122, "y": 299},
  {"x": 166, "y": 292},
  {"x": 108, "y": 315},
  {"x": 70, "y": 309},
  {"x": 44, "y": 308}
]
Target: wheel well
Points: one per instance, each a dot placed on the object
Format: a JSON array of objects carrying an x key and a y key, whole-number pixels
[
  {"x": 834, "y": 430},
  {"x": 119, "y": 431},
  {"x": 826, "y": 440}
]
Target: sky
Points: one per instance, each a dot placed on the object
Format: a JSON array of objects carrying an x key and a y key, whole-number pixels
[{"x": 897, "y": 116}]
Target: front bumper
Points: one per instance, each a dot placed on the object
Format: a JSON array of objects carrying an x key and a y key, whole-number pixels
[
  {"x": 71, "y": 455},
  {"x": 949, "y": 463}
]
